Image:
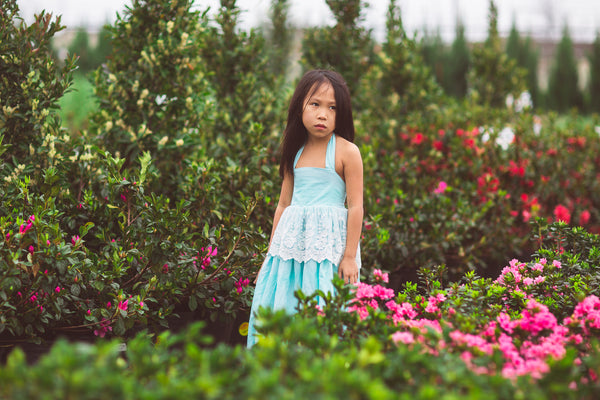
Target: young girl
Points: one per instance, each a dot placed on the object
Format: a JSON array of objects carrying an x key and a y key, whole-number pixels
[{"x": 314, "y": 236}]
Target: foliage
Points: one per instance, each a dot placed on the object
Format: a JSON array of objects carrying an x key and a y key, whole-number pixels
[
  {"x": 594, "y": 82},
  {"x": 346, "y": 47},
  {"x": 245, "y": 91},
  {"x": 435, "y": 55},
  {"x": 459, "y": 63},
  {"x": 280, "y": 38},
  {"x": 493, "y": 75},
  {"x": 152, "y": 93},
  {"x": 481, "y": 338},
  {"x": 563, "y": 89},
  {"x": 527, "y": 58},
  {"x": 80, "y": 48},
  {"x": 90, "y": 243},
  {"x": 31, "y": 84}
]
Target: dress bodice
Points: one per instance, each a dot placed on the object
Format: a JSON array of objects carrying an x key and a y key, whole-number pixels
[{"x": 322, "y": 186}]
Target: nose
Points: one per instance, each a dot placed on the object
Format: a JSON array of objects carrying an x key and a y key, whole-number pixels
[{"x": 321, "y": 114}]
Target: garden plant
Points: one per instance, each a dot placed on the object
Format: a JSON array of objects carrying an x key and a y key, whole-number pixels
[{"x": 480, "y": 246}]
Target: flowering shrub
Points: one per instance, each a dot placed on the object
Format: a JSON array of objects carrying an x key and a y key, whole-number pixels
[
  {"x": 480, "y": 338},
  {"x": 89, "y": 243}
]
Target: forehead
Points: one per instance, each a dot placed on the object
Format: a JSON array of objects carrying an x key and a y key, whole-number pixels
[{"x": 321, "y": 90}]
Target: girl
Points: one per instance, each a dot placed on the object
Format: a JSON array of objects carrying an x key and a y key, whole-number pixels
[{"x": 314, "y": 236}]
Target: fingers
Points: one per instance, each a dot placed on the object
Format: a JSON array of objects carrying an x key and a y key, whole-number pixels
[{"x": 349, "y": 278}]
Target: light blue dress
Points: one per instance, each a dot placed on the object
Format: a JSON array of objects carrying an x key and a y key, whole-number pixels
[{"x": 308, "y": 243}]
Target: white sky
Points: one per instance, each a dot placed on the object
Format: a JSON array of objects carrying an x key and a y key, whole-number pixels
[{"x": 537, "y": 17}]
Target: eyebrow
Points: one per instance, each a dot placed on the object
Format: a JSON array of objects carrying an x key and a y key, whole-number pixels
[{"x": 319, "y": 100}]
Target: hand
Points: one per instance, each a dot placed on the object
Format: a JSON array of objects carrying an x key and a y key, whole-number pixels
[{"x": 348, "y": 270}]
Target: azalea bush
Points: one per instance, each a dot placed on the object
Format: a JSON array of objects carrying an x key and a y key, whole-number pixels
[
  {"x": 524, "y": 323},
  {"x": 90, "y": 240},
  {"x": 499, "y": 338},
  {"x": 464, "y": 195}
]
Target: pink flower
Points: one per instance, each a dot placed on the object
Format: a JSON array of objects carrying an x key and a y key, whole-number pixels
[
  {"x": 380, "y": 276},
  {"x": 75, "y": 239},
  {"x": 108, "y": 305},
  {"x": 123, "y": 305},
  {"x": 557, "y": 264},
  {"x": 123, "y": 197},
  {"x": 8, "y": 236},
  {"x": 57, "y": 290},
  {"x": 141, "y": 304},
  {"x": 89, "y": 312},
  {"x": 441, "y": 188},
  {"x": 403, "y": 337},
  {"x": 31, "y": 249}
]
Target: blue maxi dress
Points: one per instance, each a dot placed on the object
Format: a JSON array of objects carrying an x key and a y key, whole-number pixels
[{"x": 308, "y": 243}]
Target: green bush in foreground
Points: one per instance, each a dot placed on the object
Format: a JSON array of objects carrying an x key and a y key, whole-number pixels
[{"x": 339, "y": 352}]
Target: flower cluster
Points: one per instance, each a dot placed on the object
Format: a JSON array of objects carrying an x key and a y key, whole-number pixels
[{"x": 526, "y": 341}]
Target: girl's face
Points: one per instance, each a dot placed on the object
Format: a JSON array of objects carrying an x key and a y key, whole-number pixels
[{"x": 318, "y": 115}]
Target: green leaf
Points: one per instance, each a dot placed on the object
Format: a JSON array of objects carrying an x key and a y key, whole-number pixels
[
  {"x": 193, "y": 303},
  {"x": 84, "y": 229}
]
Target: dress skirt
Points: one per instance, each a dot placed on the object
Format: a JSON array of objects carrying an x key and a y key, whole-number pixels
[{"x": 279, "y": 279}]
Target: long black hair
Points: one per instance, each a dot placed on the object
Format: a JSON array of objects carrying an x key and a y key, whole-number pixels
[{"x": 295, "y": 133}]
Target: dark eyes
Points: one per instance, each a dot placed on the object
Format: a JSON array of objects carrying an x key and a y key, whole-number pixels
[{"x": 313, "y": 104}]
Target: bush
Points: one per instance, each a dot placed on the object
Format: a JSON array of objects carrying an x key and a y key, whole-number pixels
[
  {"x": 88, "y": 242},
  {"x": 480, "y": 338}
]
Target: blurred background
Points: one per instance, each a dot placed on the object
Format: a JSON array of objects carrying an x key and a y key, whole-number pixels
[{"x": 543, "y": 22}]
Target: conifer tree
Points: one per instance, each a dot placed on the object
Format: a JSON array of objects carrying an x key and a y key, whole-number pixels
[
  {"x": 434, "y": 54},
  {"x": 103, "y": 48},
  {"x": 563, "y": 85},
  {"x": 80, "y": 47},
  {"x": 347, "y": 47},
  {"x": 523, "y": 52},
  {"x": 458, "y": 65},
  {"x": 494, "y": 76},
  {"x": 279, "y": 37},
  {"x": 399, "y": 83},
  {"x": 594, "y": 82}
]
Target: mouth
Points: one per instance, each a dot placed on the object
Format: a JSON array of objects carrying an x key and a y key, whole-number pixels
[{"x": 320, "y": 126}]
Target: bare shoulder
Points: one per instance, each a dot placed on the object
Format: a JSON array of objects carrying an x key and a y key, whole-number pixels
[{"x": 349, "y": 151}]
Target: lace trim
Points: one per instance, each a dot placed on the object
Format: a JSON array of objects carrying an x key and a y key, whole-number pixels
[{"x": 311, "y": 233}]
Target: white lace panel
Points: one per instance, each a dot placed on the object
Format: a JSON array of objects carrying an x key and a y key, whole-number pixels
[{"x": 311, "y": 233}]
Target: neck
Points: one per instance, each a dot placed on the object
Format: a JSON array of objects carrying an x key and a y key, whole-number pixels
[{"x": 311, "y": 140}]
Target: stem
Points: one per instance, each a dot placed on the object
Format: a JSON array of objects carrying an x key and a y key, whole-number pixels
[
  {"x": 235, "y": 245},
  {"x": 138, "y": 275}
]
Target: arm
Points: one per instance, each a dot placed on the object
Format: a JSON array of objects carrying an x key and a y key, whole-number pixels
[
  {"x": 353, "y": 174},
  {"x": 285, "y": 199}
]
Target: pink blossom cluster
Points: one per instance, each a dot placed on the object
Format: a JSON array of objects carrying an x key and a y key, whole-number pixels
[
  {"x": 24, "y": 228},
  {"x": 527, "y": 275},
  {"x": 527, "y": 341},
  {"x": 241, "y": 284},
  {"x": 381, "y": 276},
  {"x": 210, "y": 252},
  {"x": 586, "y": 317}
]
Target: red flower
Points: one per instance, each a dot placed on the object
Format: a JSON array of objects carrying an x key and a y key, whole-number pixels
[
  {"x": 438, "y": 145},
  {"x": 562, "y": 213},
  {"x": 469, "y": 142},
  {"x": 418, "y": 139},
  {"x": 584, "y": 217}
]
